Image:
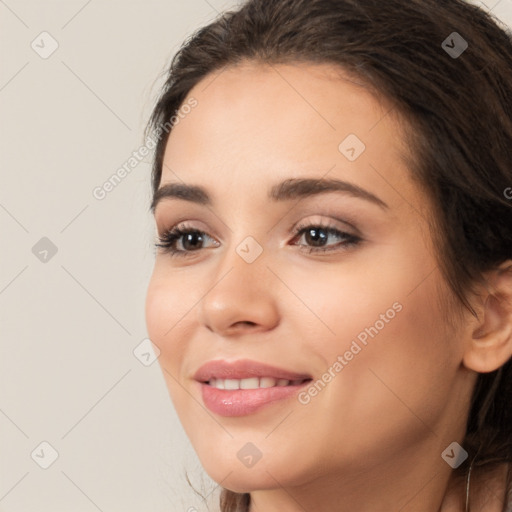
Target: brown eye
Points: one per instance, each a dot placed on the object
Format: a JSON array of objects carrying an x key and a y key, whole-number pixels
[
  {"x": 190, "y": 239},
  {"x": 316, "y": 238}
]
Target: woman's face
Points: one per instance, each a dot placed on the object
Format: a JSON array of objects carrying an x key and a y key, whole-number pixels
[{"x": 362, "y": 320}]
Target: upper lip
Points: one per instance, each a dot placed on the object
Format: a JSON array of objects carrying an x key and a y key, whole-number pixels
[{"x": 243, "y": 369}]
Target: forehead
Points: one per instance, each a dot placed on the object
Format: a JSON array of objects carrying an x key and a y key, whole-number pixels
[
  {"x": 323, "y": 99},
  {"x": 256, "y": 123}
]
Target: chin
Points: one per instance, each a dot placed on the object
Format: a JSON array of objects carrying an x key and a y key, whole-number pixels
[
  {"x": 246, "y": 480},
  {"x": 264, "y": 474}
]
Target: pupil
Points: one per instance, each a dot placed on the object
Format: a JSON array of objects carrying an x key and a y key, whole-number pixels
[
  {"x": 190, "y": 238},
  {"x": 316, "y": 235}
]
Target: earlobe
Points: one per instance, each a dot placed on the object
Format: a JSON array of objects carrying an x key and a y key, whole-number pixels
[{"x": 490, "y": 345}]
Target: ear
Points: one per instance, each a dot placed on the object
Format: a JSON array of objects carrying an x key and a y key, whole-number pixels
[{"x": 490, "y": 343}]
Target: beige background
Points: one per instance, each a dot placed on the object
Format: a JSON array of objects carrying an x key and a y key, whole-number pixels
[{"x": 70, "y": 321}]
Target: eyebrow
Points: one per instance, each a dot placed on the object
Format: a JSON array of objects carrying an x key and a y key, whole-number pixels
[{"x": 293, "y": 188}]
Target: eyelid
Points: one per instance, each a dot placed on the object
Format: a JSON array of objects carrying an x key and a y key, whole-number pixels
[
  {"x": 184, "y": 223},
  {"x": 327, "y": 218},
  {"x": 329, "y": 221}
]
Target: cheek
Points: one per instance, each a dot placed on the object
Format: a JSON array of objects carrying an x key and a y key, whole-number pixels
[
  {"x": 166, "y": 309},
  {"x": 380, "y": 309},
  {"x": 399, "y": 363},
  {"x": 398, "y": 359},
  {"x": 167, "y": 305},
  {"x": 159, "y": 303}
]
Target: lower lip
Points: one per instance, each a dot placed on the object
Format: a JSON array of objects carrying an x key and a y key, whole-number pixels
[{"x": 241, "y": 402}]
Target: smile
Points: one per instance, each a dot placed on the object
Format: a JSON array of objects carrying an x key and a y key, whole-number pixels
[{"x": 243, "y": 387}]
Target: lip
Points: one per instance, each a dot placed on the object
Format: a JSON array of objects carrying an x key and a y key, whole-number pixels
[
  {"x": 243, "y": 369},
  {"x": 242, "y": 402}
]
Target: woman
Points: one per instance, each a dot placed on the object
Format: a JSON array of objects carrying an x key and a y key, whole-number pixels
[{"x": 332, "y": 291}]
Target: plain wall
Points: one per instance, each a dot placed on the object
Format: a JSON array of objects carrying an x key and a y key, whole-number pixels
[{"x": 70, "y": 321}]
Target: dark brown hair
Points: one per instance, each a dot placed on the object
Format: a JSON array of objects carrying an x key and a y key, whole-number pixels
[{"x": 460, "y": 112}]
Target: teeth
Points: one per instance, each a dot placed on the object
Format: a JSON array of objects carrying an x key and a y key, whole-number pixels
[
  {"x": 267, "y": 382},
  {"x": 251, "y": 383},
  {"x": 231, "y": 384}
]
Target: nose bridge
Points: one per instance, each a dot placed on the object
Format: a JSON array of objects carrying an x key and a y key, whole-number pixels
[
  {"x": 247, "y": 237},
  {"x": 242, "y": 267}
]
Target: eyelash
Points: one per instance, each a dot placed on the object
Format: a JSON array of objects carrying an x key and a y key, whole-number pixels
[{"x": 169, "y": 237}]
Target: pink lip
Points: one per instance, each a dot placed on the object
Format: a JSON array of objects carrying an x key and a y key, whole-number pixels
[
  {"x": 243, "y": 369},
  {"x": 241, "y": 402}
]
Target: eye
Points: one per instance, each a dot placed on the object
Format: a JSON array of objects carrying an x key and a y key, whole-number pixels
[
  {"x": 189, "y": 238},
  {"x": 318, "y": 235}
]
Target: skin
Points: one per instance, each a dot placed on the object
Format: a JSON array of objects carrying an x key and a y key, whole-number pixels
[{"x": 372, "y": 439}]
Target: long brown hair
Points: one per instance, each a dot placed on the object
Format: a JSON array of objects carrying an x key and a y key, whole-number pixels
[{"x": 458, "y": 106}]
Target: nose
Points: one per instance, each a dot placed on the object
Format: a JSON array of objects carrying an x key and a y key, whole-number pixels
[{"x": 241, "y": 297}]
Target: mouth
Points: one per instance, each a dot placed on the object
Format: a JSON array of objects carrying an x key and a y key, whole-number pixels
[
  {"x": 243, "y": 387},
  {"x": 253, "y": 383}
]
